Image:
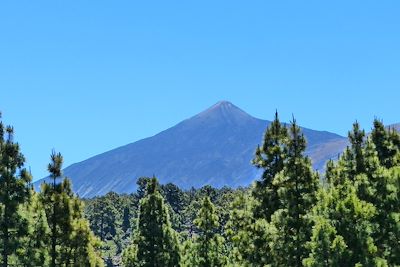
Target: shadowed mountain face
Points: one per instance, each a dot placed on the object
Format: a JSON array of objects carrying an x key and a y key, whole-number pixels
[{"x": 214, "y": 147}]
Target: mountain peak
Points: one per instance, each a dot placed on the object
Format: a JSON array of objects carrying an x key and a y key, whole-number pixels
[
  {"x": 214, "y": 147},
  {"x": 223, "y": 103},
  {"x": 224, "y": 110}
]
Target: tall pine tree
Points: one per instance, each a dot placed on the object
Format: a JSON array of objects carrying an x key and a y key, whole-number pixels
[
  {"x": 208, "y": 245},
  {"x": 342, "y": 234},
  {"x": 71, "y": 240},
  {"x": 34, "y": 250},
  {"x": 14, "y": 192},
  {"x": 270, "y": 157},
  {"x": 248, "y": 238},
  {"x": 155, "y": 243},
  {"x": 385, "y": 144},
  {"x": 297, "y": 188}
]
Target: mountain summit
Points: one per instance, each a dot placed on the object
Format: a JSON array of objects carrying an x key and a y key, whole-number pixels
[
  {"x": 214, "y": 147},
  {"x": 225, "y": 110}
]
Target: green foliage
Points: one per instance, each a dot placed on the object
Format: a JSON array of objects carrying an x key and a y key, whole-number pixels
[
  {"x": 174, "y": 196},
  {"x": 176, "y": 200},
  {"x": 343, "y": 221},
  {"x": 129, "y": 256},
  {"x": 297, "y": 187},
  {"x": 208, "y": 245},
  {"x": 33, "y": 250},
  {"x": 14, "y": 192},
  {"x": 126, "y": 220},
  {"x": 361, "y": 202},
  {"x": 155, "y": 243},
  {"x": 271, "y": 158},
  {"x": 286, "y": 219},
  {"x": 388, "y": 234},
  {"x": 386, "y": 143},
  {"x": 249, "y": 238},
  {"x": 327, "y": 248},
  {"x": 71, "y": 240},
  {"x": 31, "y": 223},
  {"x": 103, "y": 217}
]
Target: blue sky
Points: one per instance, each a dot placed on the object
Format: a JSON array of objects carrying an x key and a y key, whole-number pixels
[{"x": 84, "y": 77}]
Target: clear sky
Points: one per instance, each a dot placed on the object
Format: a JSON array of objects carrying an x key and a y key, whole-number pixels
[{"x": 84, "y": 77}]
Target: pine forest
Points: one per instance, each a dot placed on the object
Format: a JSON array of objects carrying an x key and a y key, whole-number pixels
[{"x": 346, "y": 215}]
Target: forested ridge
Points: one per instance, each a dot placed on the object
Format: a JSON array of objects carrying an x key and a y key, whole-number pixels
[{"x": 349, "y": 215}]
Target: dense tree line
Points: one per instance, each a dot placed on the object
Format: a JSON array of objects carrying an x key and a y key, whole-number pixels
[
  {"x": 114, "y": 218},
  {"x": 292, "y": 216},
  {"x": 349, "y": 215}
]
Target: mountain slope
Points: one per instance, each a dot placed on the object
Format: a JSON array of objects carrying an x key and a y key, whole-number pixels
[
  {"x": 395, "y": 126},
  {"x": 214, "y": 147}
]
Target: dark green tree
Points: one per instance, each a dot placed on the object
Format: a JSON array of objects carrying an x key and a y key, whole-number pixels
[
  {"x": 297, "y": 188},
  {"x": 34, "y": 250},
  {"x": 71, "y": 240},
  {"x": 142, "y": 186},
  {"x": 126, "y": 220},
  {"x": 327, "y": 248},
  {"x": 356, "y": 205},
  {"x": 14, "y": 192},
  {"x": 155, "y": 243},
  {"x": 103, "y": 217},
  {"x": 56, "y": 210},
  {"x": 270, "y": 157},
  {"x": 343, "y": 230},
  {"x": 374, "y": 183},
  {"x": 385, "y": 144},
  {"x": 357, "y": 139},
  {"x": 378, "y": 186},
  {"x": 248, "y": 238},
  {"x": 174, "y": 196},
  {"x": 208, "y": 245},
  {"x": 390, "y": 210}
]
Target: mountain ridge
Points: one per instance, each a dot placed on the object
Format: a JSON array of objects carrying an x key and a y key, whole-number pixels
[{"x": 212, "y": 147}]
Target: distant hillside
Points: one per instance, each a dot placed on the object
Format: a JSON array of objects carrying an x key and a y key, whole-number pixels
[
  {"x": 214, "y": 147},
  {"x": 395, "y": 126}
]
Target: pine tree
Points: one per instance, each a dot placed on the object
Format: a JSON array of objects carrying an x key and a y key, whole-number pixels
[
  {"x": 378, "y": 186},
  {"x": 174, "y": 196},
  {"x": 270, "y": 157},
  {"x": 71, "y": 240},
  {"x": 357, "y": 203},
  {"x": 129, "y": 256},
  {"x": 327, "y": 248},
  {"x": 385, "y": 145},
  {"x": 297, "y": 188},
  {"x": 357, "y": 138},
  {"x": 56, "y": 206},
  {"x": 142, "y": 186},
  {"x": 343, "y": 231},
  {"x": 248, "y": 237},
  {"x": 374, "y": 184},
  {"x": 176, "y": 199},
  {"x": 103, "y": 218},
  {"x": 83, "y": 245},
  {"x": 155, "y": 242},
  {"x": 126, "y": 220},
  {"x": 188, "y": 251},
  {"x": 14, "y": 192},
  {"x": 390, "y": 210},
  {"x": 35, "y": 251},
  {"x": 394, "y": 138},
  {"x": 208, "y": 245}
]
